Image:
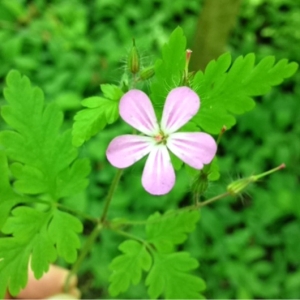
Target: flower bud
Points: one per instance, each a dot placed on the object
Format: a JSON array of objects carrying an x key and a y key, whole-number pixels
[
  {"x": 188, "y": 54},
  {"x": 147, "y": 73},
  {"x": 224, "y": 128},
  {"x": 133, "y": 62},
  {"x": 187, "y": 75}
]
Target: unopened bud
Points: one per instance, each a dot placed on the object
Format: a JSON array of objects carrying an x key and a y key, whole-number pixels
[
  {"x": 186, "y": 76},
  {"x": 147, "y": 73},
  {"x": 188, "y": 56},
  {"x": 133, "y": 62},
  {"x": 239, "y": 185},
  {"x": 224, "y": 128}
]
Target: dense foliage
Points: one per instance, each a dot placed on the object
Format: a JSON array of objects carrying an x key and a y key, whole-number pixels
[{"x": 247, "y": 247}]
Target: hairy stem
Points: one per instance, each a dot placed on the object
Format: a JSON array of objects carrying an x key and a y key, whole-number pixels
[
  {"x": 191, "y": 207},
  {"x": 195, "y": 199},
  {"x": 110, "y": 194},
  {"x": 211, "y": 200}
]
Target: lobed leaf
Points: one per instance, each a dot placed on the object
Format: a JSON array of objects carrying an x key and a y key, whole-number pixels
[
  {"x": 13, "y": 265},
  {"x": 111, "y": 92},
  {"x": 170, "y": 278},
  {"x": 226, "y": 90},
  {"x": 45, "y": 235},
  {"x": 127, "y": 268},
  {"x": 72, "y": 180},
  {"x": 63, "y": 231},
  {"x": 8, "y": 198},
  {"x": 166, "y": 231},
  {"x": 41, "y": 154},
  {"x": 27, "y": 241},
  {"x": 98, "y": 113}
]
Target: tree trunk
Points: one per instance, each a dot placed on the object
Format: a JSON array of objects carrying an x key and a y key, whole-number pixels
[{"x": 215, "y": 22}]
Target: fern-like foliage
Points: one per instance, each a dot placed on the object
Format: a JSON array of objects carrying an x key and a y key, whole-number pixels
[
  {"x": 127, "y": 268},
  {"x": 44, "y": 158},
  {"x": 227, "y": 88},
  {"x": 43, "y": 164},
  {"x": 169, "y": 271},
  {"x": 98, "y": 112},
  {"x": 170, "y": 276}
]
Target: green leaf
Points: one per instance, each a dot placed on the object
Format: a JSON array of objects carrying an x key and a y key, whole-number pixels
[
  {"x": 127, "y": 268},
  {"x": 169, "y": 70},
  {"x": 36, "y": 146},
  {"x": 166, "y": 231},
  {"x": 169, "y": 277},
  {"x": 63, "y": 231},
  {"x": 213, "y": 170},
  {"x": 227, "y": 91},
  {"x": 99, "y": 112},
  {"x": 13, "y": 266},
  {"x": 111, "y": 92},
  {"x": 72, "y": 180},
  {"x": 30, "y": 240},
  {"x": 8, "y": 199},
  {"x": 39, "y": 236}
]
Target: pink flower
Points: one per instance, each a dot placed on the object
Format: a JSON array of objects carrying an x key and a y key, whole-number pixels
[{"x": 193, "y": 148}]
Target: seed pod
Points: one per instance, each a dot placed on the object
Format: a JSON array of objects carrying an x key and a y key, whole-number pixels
[{"x": 239, "y": 185}]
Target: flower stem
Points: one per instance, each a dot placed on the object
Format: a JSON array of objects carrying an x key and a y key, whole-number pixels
[
  {"x": 85, "y": 250},
  {"x": 191, "y": 207},
  {"x": 110, "y": 194},
  {"x": 195, "y": 199},
  {"x": 256, "y": 177},
  {"x": 211, "y": 200}
]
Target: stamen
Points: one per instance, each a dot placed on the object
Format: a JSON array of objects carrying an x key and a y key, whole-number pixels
[{"x": 158, "y": 138}]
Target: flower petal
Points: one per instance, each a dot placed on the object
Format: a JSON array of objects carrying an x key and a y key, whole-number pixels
[
  {"x": 123, "y": 151},
  {"x": 195, "y": 148},
  {"x": 158, "y": 175},
  {"x": 181, "y": 105},
  {"x": 136, "y": 109}
]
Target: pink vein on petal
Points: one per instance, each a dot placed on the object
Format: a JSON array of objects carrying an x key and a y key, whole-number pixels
[
  {"x": 181, "y": 105},
  {"x": 195, "y": 149},
  {"x": 158, "y": 175},
  {"x": 136, "y": 109},
  {"x": 125, "y": 150}
]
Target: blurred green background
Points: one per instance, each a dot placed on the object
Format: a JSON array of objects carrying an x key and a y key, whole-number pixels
[{"x": 248, "y": 247}]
